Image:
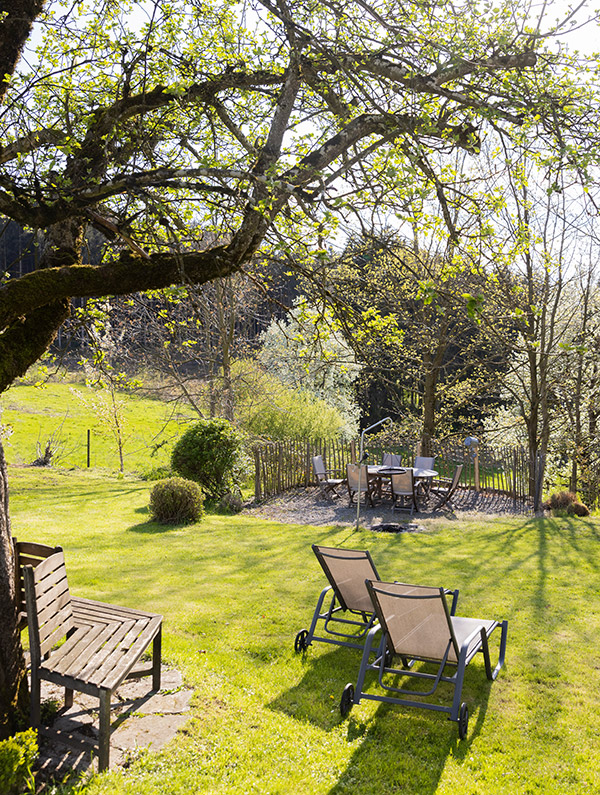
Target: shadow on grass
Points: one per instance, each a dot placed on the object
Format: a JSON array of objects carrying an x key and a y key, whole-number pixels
[
  {"x": 399, "y": 748},
  {"x": 154, "y": 528}
]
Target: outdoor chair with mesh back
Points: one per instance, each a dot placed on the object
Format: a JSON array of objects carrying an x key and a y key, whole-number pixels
[
  {"x": 404, "y": 496},
  {"x": 417, "y": 625},
  {"x": 357, "y": 477},
  {"x": 391, "y": 460},
  {"x": 346, "y": 571},
  {"x": 444, "y": 489},
  {"x": 394, "y": 461},
  {"x": 424, "y": 462},
  {"x": 327, "y": 484},
  {"x": 349, "y": 616}
]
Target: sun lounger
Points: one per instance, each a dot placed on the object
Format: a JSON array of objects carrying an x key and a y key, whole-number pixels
[{"x": 415, "y": 623}]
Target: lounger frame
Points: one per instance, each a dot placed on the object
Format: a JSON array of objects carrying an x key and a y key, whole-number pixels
[
  {"x": 334, "y": 606},
  {"x": 476, "y": 642}
]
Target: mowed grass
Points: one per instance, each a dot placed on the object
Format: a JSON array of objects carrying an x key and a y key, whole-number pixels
[
  {"x": 234, "y": 591},
  {"x": 65, "y": 411}
]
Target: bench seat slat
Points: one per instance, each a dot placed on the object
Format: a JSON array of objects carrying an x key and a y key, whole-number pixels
[
  {"x": 73, "y": 647},
  {"x": 122, "y": 667},
  {"x": 106, "y": 656},
  {"x": 97, "y": 641}
]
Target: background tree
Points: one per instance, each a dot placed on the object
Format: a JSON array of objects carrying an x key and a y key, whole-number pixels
[
  {"x": 307, "y": 351},
  {"x": 141, "y": 125},
  {"x": 419, "y": 336}
]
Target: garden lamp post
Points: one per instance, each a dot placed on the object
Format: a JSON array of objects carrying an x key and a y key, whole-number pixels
[{"x": 361, "y": 456}]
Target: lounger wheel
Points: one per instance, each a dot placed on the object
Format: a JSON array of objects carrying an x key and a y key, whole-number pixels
[
  {"x": 347, "y": 700},
  {"x": 463, "y": 721},
  {"x": 300, "y": 643}
]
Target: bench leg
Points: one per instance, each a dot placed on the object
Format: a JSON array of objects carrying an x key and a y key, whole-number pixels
[
  {"x": 34, "y": 699},
  {"x": 68, "y": 697},
  {"x": 104, "y": 740},
  {"x": 156, "y": 654}
]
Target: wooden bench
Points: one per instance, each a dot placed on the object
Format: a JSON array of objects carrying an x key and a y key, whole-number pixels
[{"x": 102, "y": 644}]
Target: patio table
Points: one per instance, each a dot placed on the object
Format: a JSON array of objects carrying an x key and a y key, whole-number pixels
[{"x": 379, "y": 471}]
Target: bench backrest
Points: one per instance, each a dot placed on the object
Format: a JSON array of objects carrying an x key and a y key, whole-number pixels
[
  {"x": 49, "y": 611},
  {"x": 27, "y": 553}
]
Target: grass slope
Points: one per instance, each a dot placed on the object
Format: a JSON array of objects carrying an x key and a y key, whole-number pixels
[
  {"x": 36, "y": 413},
  {"x": 235, "y": 590}
]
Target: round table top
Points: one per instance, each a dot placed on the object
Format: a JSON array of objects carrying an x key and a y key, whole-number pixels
[{"x": 380, "y": 469}]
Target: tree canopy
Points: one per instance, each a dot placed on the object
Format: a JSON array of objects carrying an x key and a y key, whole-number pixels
[
  {"x": 262, "y": 128},
  {"x": 265, "y": 126}
]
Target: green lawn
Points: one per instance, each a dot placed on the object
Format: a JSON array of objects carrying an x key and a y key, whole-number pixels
[
  {"x": 65, "y": 410},
  {"x": 235, "y": 590}
]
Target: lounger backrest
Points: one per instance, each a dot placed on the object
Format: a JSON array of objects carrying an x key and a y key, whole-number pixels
[
  {"x": 415, "y": 618},
  {"x": 27, "y": 553},
  {"x": 352, "y": 474},
  {"x": 424, "y": 462},
  {"x": 391, "y": 460},
  {"x": 347, "y": 570},
  {"x": 402, "y": 482},
  {"x": 49, "y": 612},
  {"x": 319, "y": 468}
]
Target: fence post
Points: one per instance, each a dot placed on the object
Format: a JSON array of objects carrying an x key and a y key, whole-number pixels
[{"x": 256, "y": 473}]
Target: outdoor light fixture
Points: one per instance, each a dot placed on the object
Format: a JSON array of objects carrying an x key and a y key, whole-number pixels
[{"x": 361, "y": 455}]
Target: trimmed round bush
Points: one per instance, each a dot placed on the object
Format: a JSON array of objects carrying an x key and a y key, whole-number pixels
[
  {"x": 176, "y": 500},
  {"x": 578, "y": 509},
  {"x": 208, "y": 453}
]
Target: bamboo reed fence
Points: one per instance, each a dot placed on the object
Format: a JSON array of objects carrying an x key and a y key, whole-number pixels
[{"x": 280, "y": 466}]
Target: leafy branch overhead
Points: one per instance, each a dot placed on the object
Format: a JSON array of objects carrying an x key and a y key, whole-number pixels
[{"x": 263, "y": 131}]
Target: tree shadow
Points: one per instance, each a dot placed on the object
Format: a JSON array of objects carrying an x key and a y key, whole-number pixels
[
  {"x": 155, "y": 528},
  {"x": 405, "y": 749},
  {"x": 398, "y": 748}
]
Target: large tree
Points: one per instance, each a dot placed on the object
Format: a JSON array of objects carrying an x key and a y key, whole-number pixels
[{"x": 147, "y": 120}]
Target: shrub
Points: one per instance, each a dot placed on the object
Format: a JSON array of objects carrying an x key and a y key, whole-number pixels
[
  {"x": 560, "y": 501},
  {"x": 208, "y": 453},
  {"x": 268, "y": 408},
  {"x": 231, "y": 503},
  {"x": 176, "y": 500},
  {"x": 578, "y": 509},
  {"x": 157, "y": 473},
  {"x": 17, "y": 755}
]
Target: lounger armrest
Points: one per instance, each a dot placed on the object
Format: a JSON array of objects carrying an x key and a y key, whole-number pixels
[
  {"x": 464, "y": 649},
  {"x": 454, "y": 592}
]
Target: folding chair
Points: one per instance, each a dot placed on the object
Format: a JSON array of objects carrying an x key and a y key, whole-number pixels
[
  {"x": 444, "y": 489},
  {"x": 346, "y": 570},
  {"x": 404, "y": 496},
  {"x": 417, "y": 625},
  {"x": 391, "y": 460},
  {"x": 327, "y": 485},
  {"x": 355, "y": 474}
]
